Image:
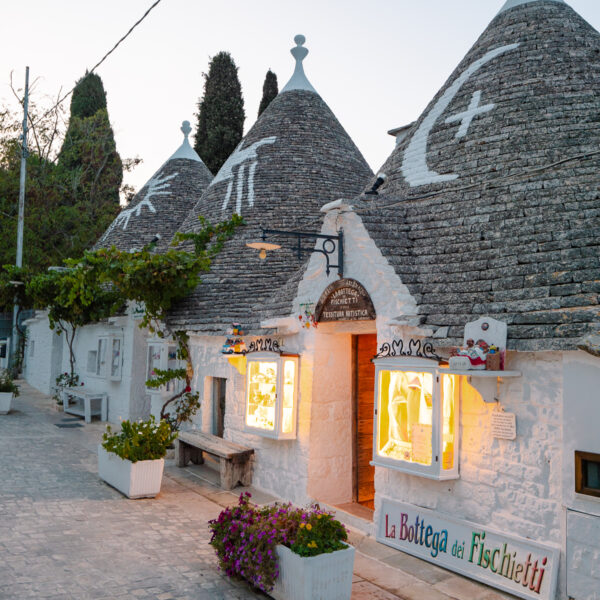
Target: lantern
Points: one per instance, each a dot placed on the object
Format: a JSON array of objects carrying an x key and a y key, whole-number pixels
[
  {"x": 271, "y": 394},
  {"x": 416, "y": 417}
]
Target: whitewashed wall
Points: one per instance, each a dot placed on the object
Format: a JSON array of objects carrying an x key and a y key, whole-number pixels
[
  {"x": 127, "y": 398},
  {"x": 43, "y": 354},
  {"x": 581, "y": 418}
]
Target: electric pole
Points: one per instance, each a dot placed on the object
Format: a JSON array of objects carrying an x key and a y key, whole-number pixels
[{"x": 21, "y": 220}]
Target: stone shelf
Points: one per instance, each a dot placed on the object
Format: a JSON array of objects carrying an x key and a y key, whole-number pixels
[{"x": 483, "y": 373}]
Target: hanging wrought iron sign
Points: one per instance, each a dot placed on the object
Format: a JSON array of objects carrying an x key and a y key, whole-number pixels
[
  {"x": 345, "y": 300},
  {"x": 414, "y": 348}
]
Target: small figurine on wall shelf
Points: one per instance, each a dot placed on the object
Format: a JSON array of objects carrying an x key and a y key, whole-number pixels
[{"x": 487, "y": 352}]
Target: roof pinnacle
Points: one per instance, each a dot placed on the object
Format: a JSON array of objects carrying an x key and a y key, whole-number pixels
[
  {"x": 185, "y": 150},
  {"x": 186, "y": 129},
  {"x": 512, "y": 3},
  {"x": 298, "y": 80}
]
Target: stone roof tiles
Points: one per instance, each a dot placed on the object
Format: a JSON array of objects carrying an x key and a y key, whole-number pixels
[
  {"x": 293, "y": 160},
  {"x": 492, "y": 202},
  {"x": 161, "y": 206}
]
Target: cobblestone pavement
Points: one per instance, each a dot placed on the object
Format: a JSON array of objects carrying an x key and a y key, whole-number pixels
[{"x": 65, "y": 534}]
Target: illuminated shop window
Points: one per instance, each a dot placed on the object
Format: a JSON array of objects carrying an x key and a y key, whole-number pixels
[
  {"x": 272, "y": 382},
  {"x": 416, "y": 417}
]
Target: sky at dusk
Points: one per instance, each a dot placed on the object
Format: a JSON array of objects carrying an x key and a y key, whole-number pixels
[{"x": 377, "y": 64}]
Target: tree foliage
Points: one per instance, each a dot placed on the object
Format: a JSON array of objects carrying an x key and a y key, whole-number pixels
[
  {"x": 221, "y": 113},
  {"x": 88, "y": 97},
  {"x": 90, "y": 157},
  {"x": 270, "y": 91},
  {"x": 65, "y": 207}
]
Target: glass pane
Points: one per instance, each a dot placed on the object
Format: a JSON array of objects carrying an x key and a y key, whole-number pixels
[
  {"x": 172, "y": 364},
  {"x": 262, "y": 395},
  {"x": 100, "y": 369},
  {"x": 289, "y": 386},
  {"x": 405, "y": 412},
  {"x": 448, "y": 420},
  {"x": 153, "y": 360},
  {"x": 116, "y": 358},
  {"x": 591, "y": 474}
]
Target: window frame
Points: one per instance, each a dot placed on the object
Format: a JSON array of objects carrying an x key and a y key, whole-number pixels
[
  {"x": 580, "y": 487},
  {"x": 435, "y": 470},
  {"x": 280, "y": 359}
]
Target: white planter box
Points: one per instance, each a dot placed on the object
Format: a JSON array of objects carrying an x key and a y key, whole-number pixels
[
  {"x": 5, "y": 402},
  {"x": 322, "y": 577},
  {"x": 136, "y": 480}
]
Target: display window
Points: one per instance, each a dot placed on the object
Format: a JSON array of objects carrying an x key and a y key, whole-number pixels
[
  {"x": 416, "y": 416},
  {"x": 271, "y": 392}
]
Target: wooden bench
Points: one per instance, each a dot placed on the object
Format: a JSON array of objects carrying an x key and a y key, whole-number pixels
[{"x": 234, "y": 460}]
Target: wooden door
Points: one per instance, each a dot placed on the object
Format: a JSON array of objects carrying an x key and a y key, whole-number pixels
[
  {"x": 218, "y": 397},
  {"x": 365, "y": 348}
]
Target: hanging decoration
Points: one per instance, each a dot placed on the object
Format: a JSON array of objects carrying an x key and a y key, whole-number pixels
[
  {"x": 413, "y": 348},
  {"x": 307, "y": 315}
]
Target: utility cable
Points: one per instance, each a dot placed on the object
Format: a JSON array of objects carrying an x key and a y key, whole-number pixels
[{"x": 61, "y": 100}]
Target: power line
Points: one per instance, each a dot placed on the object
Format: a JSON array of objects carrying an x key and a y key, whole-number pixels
[{"x": 61, "y": 100}]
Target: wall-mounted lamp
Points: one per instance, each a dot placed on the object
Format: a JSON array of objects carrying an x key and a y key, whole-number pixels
[
  {"x": 328, "y": 247},
  {"x": 381, "y": 177}
]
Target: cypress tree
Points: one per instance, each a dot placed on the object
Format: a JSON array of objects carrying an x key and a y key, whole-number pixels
[
  {"x": 220, "y": 113},
  {"x": 270, "y": 90},
  {"x": 88, "y": 96},
  {"x": 89, "y": 159}
]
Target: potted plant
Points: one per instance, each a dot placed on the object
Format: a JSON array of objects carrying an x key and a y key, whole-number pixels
[
  {"x": 288, "y": 552},
  {"x": 132, "y": 460},
  {"x": 8, "y": 391}
]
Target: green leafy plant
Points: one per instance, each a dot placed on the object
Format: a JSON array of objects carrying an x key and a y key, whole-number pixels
[
  {"x": 139, "y": 440},
  {"x": 244, "y": 538},
  {"x": 7, "y": 385}
]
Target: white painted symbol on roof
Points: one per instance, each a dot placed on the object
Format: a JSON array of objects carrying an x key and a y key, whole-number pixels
[
  {"x": 414, "y": 165},
  {"x": 239, "y": 157},
  {"x": 468, "y": 115},
  {"x": 156, "y": 187}
]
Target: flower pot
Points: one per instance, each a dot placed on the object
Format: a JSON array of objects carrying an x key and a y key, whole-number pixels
[
  {"x": 5, "y": 402},
  {"x": 141, "y": 479},
  {"x": 322, "y": 577}
]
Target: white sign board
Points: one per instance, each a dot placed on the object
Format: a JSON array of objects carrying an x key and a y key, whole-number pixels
[
  {"x": 518, "y": 566},
  {"x": 504, "y": 425}
]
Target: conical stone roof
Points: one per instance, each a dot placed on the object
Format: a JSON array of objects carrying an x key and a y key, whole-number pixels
[
  {"x": 294, "y": 159},
  {"x": 493, "y": 196},
  {"x": 161, "y": 206}
]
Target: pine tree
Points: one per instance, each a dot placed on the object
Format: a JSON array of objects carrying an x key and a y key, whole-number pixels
[
  {"x": 89, "y": 158},
  {"x": 270, "y": 90},
  {"x": 221, "y": 113}
]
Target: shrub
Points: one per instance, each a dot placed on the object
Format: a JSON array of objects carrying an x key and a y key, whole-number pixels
[
  {"x": 139, "y": 440},
  {"x": 244, "y": 538},
  {"x": 7, "y": 385}
]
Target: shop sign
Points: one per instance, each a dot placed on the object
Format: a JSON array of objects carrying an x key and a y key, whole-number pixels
[
  {"x": 512, "y": 564},
  {"x": 345, "y": 300}
]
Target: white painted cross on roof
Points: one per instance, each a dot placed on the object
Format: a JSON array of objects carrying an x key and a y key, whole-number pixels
[{"x": 468, "y": 115}]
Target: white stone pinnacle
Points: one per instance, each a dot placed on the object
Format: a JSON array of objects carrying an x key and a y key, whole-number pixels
[
  {"x": 185, "y": 150},
  {"x": 298, "y": 80},
  {"x": 512, "y": 3}
]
